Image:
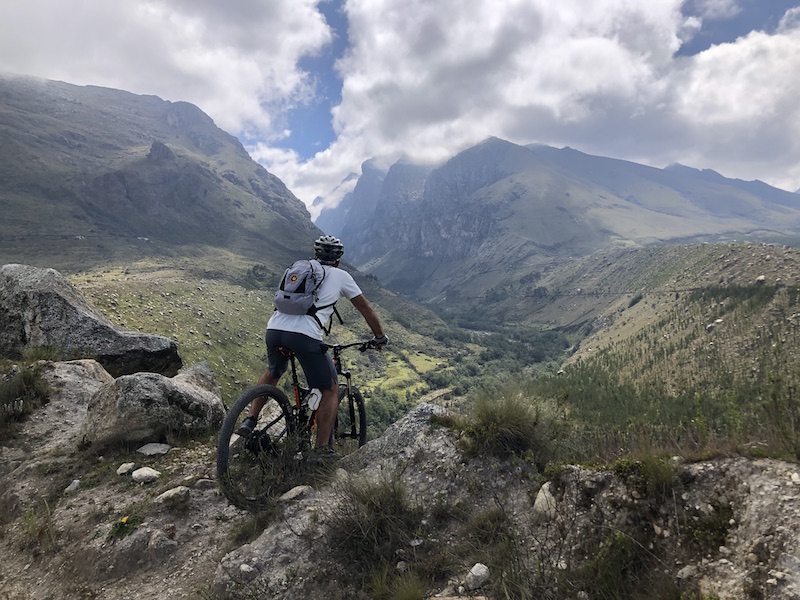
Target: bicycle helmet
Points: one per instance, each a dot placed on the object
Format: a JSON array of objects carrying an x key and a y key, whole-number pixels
[{"x": 328, "y": 249}]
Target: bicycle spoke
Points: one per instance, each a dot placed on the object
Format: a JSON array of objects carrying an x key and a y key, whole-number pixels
[{"x": 246, "y": 465}]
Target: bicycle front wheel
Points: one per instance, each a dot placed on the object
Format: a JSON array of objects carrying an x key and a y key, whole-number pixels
[
  {"x": 350, "y": 427},
  {"x": 247, "y": 464}
]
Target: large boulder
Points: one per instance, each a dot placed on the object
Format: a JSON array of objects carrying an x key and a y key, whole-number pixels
[
  {"x": 148, "y": 407},
  {"x": 39, "y": 307}
]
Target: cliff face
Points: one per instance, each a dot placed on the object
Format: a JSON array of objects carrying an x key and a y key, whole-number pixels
[{"x": 438, "y": 233}]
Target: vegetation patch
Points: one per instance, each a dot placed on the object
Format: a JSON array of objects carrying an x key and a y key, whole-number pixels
[
  {"x": 375, "y": 520},
  {"x": 21, "y": 392},
  {"x": 124, "y": 527},
  {"x": 652, "y": 476},
  {"x": 510, "y": 422}
]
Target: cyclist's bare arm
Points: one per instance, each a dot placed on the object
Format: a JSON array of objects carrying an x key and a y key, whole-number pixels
[{"x": 370, "y": 316}]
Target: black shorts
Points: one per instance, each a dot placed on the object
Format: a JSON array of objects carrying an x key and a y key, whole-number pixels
[{"x": 312, "y": 355}]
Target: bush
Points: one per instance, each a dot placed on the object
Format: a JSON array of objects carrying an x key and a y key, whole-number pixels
[
  {"x": 373, "y": 520},
  {"x": 513, "y": 423},
  {"x": 21, "y": 392}
]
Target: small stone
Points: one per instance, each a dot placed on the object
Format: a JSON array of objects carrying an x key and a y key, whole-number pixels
[
  {"x": 73, "y": 487},
  {"x": 176, "y": 494},
  {"x": 204, "y": 484},
  {"x": 126, "y": 468},
  {"x": 477, "y": 576},
  {"x": 145, "y": 475},
  {"x": 154, "y": 449},
  {"x": 296, "y": 492}
]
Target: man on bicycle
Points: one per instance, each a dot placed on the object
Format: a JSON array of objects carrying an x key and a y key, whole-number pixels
[{"x": 302, "y": 334}]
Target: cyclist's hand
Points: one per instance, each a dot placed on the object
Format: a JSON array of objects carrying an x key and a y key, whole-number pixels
[{"x": 380, "y": 342}]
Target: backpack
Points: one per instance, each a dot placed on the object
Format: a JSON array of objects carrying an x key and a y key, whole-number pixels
[{"x": 297, "y": 291}]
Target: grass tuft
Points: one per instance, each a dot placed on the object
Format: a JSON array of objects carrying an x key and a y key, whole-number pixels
[
  {"x": 21, "y": 392},
  {"x": 373, "y": 522},
  {"x": 513, "y": 423}
]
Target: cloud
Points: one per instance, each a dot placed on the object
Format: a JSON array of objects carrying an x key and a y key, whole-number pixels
[
  {"x": 718, "y": 9},
  {"x": 424, "y": 79},
  {"x": 237, "y": 61},
  {"x": 790, "y": 21}
]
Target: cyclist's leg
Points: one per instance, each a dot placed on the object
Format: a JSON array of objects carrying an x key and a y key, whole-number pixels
[
  {"x": 326, "y": 415},
  {"x": 321, "y": 374},
  {"x": 276, "y": 366}
]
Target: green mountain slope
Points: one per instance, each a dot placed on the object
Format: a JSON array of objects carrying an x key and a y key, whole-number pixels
[
  {"x": 90, "y": 175},
  {"x": 499, "y": 216}
]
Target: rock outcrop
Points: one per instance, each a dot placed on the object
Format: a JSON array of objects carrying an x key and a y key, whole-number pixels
[
  {"x": 39, "y": 307},
  {"x": 148, "y": 406}
]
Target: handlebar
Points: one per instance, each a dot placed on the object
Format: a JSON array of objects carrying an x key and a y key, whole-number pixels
[{"x": 363, "y": 346}]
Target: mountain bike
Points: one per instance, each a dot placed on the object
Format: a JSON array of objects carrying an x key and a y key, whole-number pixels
[{"x": 250, "y": 468}]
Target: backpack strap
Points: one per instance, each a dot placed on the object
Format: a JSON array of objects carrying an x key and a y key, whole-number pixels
[{"x": 312, "y": 312}]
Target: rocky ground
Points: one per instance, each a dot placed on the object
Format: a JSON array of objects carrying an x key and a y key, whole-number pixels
[{"x": 72, "y": 527}]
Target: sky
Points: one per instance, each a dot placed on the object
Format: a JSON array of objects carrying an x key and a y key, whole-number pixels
[{"x": 313, "y": 88}]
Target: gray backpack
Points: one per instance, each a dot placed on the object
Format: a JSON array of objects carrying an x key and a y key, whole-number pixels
[{"x": 297, "y": 292}]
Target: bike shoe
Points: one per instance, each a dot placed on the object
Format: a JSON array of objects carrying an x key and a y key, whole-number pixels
[{"x": 247, "y": 426}]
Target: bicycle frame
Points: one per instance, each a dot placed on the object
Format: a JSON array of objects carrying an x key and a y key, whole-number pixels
[
  {"x": 301, "y": 392},
  {"x": 247, "y": 462}
]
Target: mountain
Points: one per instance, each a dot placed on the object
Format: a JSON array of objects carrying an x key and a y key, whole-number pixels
[
  {"x": 90, "y": 175},
  {"x": 500, "y": 214}
]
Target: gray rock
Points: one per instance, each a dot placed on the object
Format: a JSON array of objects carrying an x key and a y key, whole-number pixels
[
  {"x": 477, "y": 576},
  {"x": 126, "y": 468},
  {"x": 152, "y": 449},
  {"x": 147, "y": 406},
  {"x": 545, "y": 503},
  {"x": 145, "y": 475},
  {"x": 39, "y": 307},
  {"x": 176, "y": 494}
]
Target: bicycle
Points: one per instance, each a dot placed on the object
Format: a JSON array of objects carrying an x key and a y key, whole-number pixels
[{"x": 249, "y": 468}]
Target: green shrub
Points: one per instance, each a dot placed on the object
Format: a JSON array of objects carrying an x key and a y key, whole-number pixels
[
  {"x": 373, "y": 520},
  {"x": 20, "y": 394},
  {"x": 38, "y": 523},
  {"x": 125, "y": 526},
  {"x": 651, "y": 475},
  {"x": 409, "y": 586},
  {"x": 513, "y": 423},
  {"x": 33, "y": 353}
]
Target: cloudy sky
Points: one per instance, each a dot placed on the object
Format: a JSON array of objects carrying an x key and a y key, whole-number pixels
[{"x": 315, "y": 87}]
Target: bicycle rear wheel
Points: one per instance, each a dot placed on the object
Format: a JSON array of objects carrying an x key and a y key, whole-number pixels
[
  {"x": 350, "y": 427},
  {"x": 247, "y": 465}
]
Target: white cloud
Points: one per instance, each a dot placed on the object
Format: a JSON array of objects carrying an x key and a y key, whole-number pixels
[
  {"x": 790, "y": 20},
  {"x": 718, "y": 9},
  {"x": 236, "y": 60},
  {"x": 426, "y": 78}
]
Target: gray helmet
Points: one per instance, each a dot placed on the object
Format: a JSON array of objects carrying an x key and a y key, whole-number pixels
[{"x": 328, "y": 249}]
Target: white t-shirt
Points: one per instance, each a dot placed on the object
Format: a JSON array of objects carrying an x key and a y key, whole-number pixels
[{"x": 337, "y": 284}]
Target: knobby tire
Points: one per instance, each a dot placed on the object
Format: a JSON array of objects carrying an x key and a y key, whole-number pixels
[{"x": 246, "y": 466}]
